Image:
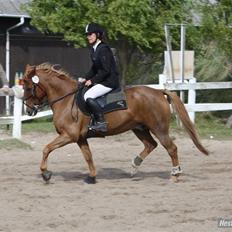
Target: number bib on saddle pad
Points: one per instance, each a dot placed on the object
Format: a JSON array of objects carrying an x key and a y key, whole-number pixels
[{"x": 114, "y": 100}]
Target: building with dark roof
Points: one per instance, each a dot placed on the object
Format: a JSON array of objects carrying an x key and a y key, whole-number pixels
[
  {"x": 12, "y": 8},
  {"x": 21, "y": 44}
]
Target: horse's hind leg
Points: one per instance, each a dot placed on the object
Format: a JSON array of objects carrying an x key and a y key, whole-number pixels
[
  {"x": 149, "y": 145},
  {"x": 171, "y": 148}
]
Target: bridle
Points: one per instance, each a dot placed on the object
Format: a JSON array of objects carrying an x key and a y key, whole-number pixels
[{"x": 36, "y": 108}]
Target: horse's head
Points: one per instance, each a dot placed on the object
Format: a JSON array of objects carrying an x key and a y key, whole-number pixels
[{"x": 34, "y": 92}]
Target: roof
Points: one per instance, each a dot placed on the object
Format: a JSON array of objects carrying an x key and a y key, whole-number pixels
[{"x": 12, "y": 8}]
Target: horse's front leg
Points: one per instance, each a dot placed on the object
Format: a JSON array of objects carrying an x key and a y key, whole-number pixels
[
  {"x": 60, "y": 141},
  {"x": 84, "y": 146}
]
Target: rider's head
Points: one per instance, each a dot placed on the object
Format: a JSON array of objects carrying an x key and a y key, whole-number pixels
[{"x": 94, "y": 32}]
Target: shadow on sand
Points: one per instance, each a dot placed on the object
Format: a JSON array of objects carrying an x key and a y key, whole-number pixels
[{"x": 111, "y": 174}]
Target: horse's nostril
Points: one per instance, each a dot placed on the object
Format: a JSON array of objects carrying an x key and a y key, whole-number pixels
[{"x": 29, "y": 112}]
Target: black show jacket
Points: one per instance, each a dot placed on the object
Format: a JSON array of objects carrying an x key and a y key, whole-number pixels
[{"x": 104, "y": 70}]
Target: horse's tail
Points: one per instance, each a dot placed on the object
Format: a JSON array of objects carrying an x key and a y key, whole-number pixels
[{"x": 179, "y": 108}]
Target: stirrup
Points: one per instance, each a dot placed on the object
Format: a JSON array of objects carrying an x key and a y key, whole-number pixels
[{"x": 99, "y": 127}]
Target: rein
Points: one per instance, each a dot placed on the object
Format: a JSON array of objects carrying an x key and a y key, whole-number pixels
[{"x": 61, "y": 98}]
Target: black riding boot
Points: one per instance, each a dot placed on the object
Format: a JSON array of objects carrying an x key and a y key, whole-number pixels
[{"x": 100, "y": 124}]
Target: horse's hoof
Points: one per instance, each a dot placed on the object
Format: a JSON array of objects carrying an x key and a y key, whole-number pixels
[
  {"x": 46, "y": 175},
  {"x": 134, "y": 170},
  {"x": 90, "y": 180},
  {"x": 136, "y": 162},
  {"x": 174, "y": 179}
]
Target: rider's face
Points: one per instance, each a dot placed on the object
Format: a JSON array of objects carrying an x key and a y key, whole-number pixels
[{"x": 92, "y": 38}]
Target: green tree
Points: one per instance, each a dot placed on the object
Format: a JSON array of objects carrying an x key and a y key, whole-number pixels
[
  {"x": 134, "y": 27},
  {"x": 214, "y": 46},
  {"x": 215, "y": 61}
]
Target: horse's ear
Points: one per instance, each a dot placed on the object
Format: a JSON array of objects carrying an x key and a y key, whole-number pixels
[
  {"x": 28, "y": 66},
  {"x": 30, "y": 69},
  {"x": 56, "y": 67}
]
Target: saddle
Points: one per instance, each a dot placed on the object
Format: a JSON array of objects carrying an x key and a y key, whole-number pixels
[{"x": 112, "y": 101}]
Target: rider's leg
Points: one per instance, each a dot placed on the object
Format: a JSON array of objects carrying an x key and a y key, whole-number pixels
[
  {"x": 94, "y": 92},
  {"x": 100, "y": 124}
]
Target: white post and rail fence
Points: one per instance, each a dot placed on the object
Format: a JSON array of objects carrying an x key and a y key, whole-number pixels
[
  {"x": 17, "y": 118},
  {"x": 192, "y": 87}
]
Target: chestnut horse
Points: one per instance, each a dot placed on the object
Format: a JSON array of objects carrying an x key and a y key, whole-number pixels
[{"x": 148, "y": 111}]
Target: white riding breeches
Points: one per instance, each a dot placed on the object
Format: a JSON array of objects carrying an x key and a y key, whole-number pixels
[{"x": 96, "y": 91}]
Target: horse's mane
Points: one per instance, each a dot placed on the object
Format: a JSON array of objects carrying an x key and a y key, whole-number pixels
[{"x": 61, "y": 73}]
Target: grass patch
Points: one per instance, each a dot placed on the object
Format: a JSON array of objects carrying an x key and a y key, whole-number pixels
[
  {"x": 214, "y": 129},
  {"x": 43, "y": 125},
  {"x": 11, "y": 144},
  {"x": 208, "y": 127}
]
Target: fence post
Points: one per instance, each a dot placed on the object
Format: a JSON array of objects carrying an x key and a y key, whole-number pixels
[
  {"x": 162, "y": 80},
  {"x": 16, "y": 133},
  {"x": 192, "y": 99}
]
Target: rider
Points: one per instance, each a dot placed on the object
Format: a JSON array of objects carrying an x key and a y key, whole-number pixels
[{"x": 103, "y": 76}]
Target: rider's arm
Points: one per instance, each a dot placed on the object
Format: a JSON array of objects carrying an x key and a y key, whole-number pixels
[{"x": 91, "y": 73}]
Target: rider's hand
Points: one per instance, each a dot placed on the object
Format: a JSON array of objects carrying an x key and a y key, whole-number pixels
[
  {"x": 88, "y": 83},
  {"x": 81, "y": 80}
]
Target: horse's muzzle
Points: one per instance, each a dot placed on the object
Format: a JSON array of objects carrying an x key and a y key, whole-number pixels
[{"x": 32, "y": 111}]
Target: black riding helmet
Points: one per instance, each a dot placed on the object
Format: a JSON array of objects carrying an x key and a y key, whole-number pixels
[{"x": 94, "y": 28}]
